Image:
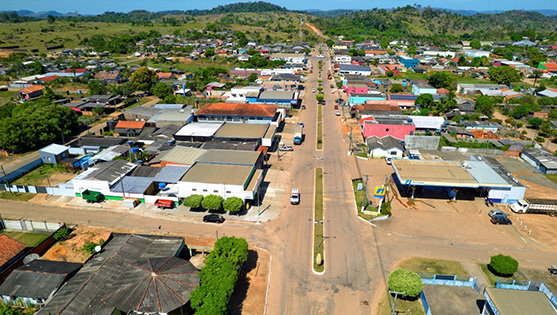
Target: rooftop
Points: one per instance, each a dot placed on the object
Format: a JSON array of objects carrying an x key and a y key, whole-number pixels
[
  {"x": 234, "y": 109},
  {"x": 277, "y": 95},
  {"x": 132, "y": 185},
  {"x": 197, "y": 129},
  {"x": 218, "y": 174},
  {"x": 433, "y": 173},
  {"x": 519, "y": 302},
  {"x": 183, "y": 155},
  {"x": 9, "y": 248},
  {"x": 385, "y": 143},
  {"x": 242, "y": 131},
  {"x": 111, "y": 171},
  {"x": 171, "y": 173},
  {"x": 54, "y": 149},
  {"x": 226, "y": 157},
  {"x": 127, "y": 124}
]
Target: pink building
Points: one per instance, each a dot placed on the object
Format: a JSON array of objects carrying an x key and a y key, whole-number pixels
[
  {"x": 387, "y": 126},
  {"x": 357, "y": 88}
]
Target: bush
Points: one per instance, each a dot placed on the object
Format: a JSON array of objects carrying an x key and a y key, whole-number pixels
[
  {"x": 402, "y": 280},
  {"x": 212, "y": 202},
  {"x": 61, "y": 234},
  {"x": 233, "y": 204},
  {"x": 503, "y": 265},
  {"x": 386, "y": 208},
  {"x": 193, "y": 201},
  {"x": 89, "y": 247}
]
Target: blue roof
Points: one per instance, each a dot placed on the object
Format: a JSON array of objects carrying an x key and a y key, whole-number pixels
[
  {"x": 354, "y": 68},
  {"x": 404, "y": 97},
  {"x": 133, "y": 184},
  {"x": 171, "y": 173}
]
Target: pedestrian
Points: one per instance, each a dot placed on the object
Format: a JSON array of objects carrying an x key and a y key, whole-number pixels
[{"x": 159, "y": 227}]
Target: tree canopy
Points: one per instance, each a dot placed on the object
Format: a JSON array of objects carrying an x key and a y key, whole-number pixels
[
  {"x": 402, "y": 280},
  {"x": 144, "y": 78},
  {"x": 484, "y": 104},
  {"x": 440, "y": 80},
  {"x": 504, "y": 75}
]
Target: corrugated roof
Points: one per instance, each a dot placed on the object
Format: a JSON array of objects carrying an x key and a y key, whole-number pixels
[
  {"x": 198, "y": 129},
  {"x": 226, "y": 157},
  {"x": 171, "y": 173},
  {"x": 242, "y": 131},
  {"x": 183, "y": 155},
  {"x": 38, "y": 279},
  {"x": 9, "y": 248},
  {"x": 127, "y": 124},
  {"x": 111, "y": 171},
  {"x": 484, "y": 174},
  {"x": 54, "y": 149},
  {"x": 132, "y": 184},
  {"x": 277, "y": 95},
  {"x": 99, "y": 277},
  {"x": 519, "y": 302},
  {"x": 218, "y": 174},
  {"x": 234, "y": 109}
]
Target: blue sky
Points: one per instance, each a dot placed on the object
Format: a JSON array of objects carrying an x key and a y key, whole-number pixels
[{"x": 99, "y": 6}]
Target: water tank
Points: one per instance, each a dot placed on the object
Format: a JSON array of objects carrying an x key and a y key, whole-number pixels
[
  {"x": 130, "y": 143},
  {"x": 171, "y": 142},
  {"x": 162, "y": 185},
  {"x": 409, "y": 119},
  {"x": 135, "y": 149}
]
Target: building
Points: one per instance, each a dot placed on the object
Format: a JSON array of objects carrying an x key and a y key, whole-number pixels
[
  {"x": 197, "y": 131},
  {"x": 285, "y": 99},
  {"x": 428, "y": 123},
  {"x": 395, "y": 69},
  {"x": 237, "y": 158},
  {"x": 108, "y": 77},
  {"x": 382, "y": 126},
  {"x": 132, "y": 273},
  {"x": 53, "y": 153},
  {"x": 476, "y": 53},
  {"x": 540, "y": 159},
  {"x": 408, "y": 62},
  {"x": 102, "y": 177},
  {"x": 94, "y": 144},
  {"x": 242, "y": 132},
  {"x": 31, "y": 92},
  {"x": 36, "y": 282},
  {"x": 459, "y": 132},
  {"x": 419, "y": 88},
  {"x": 465, "y": 88},
  {"x": 438, "y": 53},
  {"x": 294, "y": 58},
  {"x": 343, "y": 59},
  {"x": 10, "y": 251},
  {"x": 482, "y": 125},
  {"x": 239, "y": 113},
  {"x": 514, "y": 302},
  {"x": 355, "y": 69},
  {"x": 363, "y": 98},
  {"x": 126, "y": 128},
  {"x": 180, "y": 155},
  {"x": 387, "y": 146}
]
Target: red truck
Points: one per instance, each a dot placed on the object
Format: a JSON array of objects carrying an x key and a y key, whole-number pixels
[{"x": 164, "y": 204}]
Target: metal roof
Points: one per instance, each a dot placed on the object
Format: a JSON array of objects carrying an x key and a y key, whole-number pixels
[
  {"x": 277, "y": 95},
  {"x": 171, "y": 173},
  {"x": 111, "y": 171},
  {"x": 183, "y": 155},
  {"x": 154, "y": 285},
  {"x": 38, "y": 279},
  {"x": 198, "y": 129},
  {"x": 427, "y": 122},
  {"x": 484, "y": 174},
  {"x": 218, "y": 174},
  {"x": 433, "y": 173},
  {"x": 520, "y": 302},
  {"x": 242, "y": 131},
  {"x": 227, "y": 157},
  {"x": 132, "y": 185},
  {"x": 146, "y": 171},
  {"x": 99, "y": 277},
  {"x": 54, "y": 149}
]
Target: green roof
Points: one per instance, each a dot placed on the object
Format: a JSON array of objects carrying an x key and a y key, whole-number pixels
[{"x": 518, "y": 302}]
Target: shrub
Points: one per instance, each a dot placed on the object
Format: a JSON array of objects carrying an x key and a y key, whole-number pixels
[
  {"x": 193, "y": 201},
  {"x": 402, "y": 280},
  {"x": 386, "y": 208},
  {"x": 233, "y": 204},
  {"x": 212, "y": 202},
  {"x": 61, "y": 234},
  {"x": 89, "y": 247},
  {"x": 503, "y": 265}
]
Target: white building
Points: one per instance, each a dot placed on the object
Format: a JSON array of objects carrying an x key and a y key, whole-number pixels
[
  {"x": 343, "y": 59},
  {"x": 477, "y": 53},
  {"x": 387, "y": 146},
  {"x": 295, "y": 58},
  {"x": 435, "y": 53}
]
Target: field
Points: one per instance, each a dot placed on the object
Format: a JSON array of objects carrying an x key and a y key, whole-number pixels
[
  {"x": 29, "y": 239},
  {"x": 40, "y": 34}
]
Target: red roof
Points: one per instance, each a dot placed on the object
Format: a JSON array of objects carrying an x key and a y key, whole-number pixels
[
  {"x": 233, "y": 109},
  {"x": 550, "y": 66},
  {"x": 164, "y": 75},
  {"x": 49, "y": 78},
  {"x": 31, "y": 89},
  {"x": 376, "y": 52},
  {"x": 81, "y": 70},
  {"x": 130, "y": 124},
  {"x": 9, "y": 248}
]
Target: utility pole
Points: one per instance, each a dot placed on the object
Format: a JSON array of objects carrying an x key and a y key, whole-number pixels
[
  {"x": 6, "y": 179},
  {"x": 396, "y": 296},
  {"x": 365, "y": 194},
  {"x": 350, "y": 143}
]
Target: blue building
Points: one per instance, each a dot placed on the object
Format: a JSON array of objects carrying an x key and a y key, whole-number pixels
[
  {"x": 359, "y": 98},
  {"x": 408, "y": 62}
]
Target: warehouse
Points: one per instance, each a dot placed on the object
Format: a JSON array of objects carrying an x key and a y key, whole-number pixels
[{"x": 479, "y": 177}]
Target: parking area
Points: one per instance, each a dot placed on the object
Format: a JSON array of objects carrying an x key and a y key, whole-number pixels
[{"x": 444, "y": 299}]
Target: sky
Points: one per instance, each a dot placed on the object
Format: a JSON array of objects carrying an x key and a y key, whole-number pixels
[{"x": 100, "y": 6}]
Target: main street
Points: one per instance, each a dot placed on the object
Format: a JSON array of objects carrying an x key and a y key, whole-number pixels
[{"x": 356, "y": 253}]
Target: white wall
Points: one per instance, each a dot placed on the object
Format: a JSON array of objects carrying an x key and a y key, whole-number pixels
[
  {"x": 96, "y": 185},
  {"x": 187, "y": 189},
  {"x": 380, "y": 153}
]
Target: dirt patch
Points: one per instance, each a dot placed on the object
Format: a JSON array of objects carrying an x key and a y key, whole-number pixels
[
  {"x": 537, "y": 191},
  {"x": 250, "y": 292},
  {"x": 70, "y": 250}
]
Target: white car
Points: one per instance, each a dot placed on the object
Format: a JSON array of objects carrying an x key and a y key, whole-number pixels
[
  {"x": 389, "y": 160},
  {"x": 337, "y": 112},
  {"x": 313, "y": 90},
  {"x": 295, "y": 196}
]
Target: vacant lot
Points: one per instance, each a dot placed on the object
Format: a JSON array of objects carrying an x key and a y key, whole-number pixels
[
  {"x": 435, "y": 266},
  {"x": 29, "y": 239},
  {"x": 71, "y": 250},
  {"x": 45, "y": 175}
]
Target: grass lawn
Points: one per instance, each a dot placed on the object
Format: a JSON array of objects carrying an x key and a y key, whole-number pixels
[
  {"x": 552, "y": 177},
  {"x": 37, "y": 176},
  {"x": 358, "y": 196},
  {"x": 493, "y": 277},
  {"x": 435, "y": 266},
  {"x": 16, "y": 196},
  {"x": 402, "y": 307},
  {"x": 29, "y": 239},
  {"x": 318, "y": 233},
  {"x": 7, "y": 94},
  {"x": 319, "y": 127}
]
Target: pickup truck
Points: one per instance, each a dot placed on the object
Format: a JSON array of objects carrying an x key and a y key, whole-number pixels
[
  {"x": 91, "y": 196},
  {"x": 545, "y": 206}
]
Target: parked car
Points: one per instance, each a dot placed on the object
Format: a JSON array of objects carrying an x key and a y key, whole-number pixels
[
  {"x": 389, "y": 160},
  {"x": 332, "y": 86},
  {"x": 286, "y": 148},
  {"x": 495, "y": 212},
  {"x": 303, "y": 106},
  {"x": 312, "y": 90},
  {"x": 499, "y": 219},
  {"x": 336, "y": 106},
  {"x": 295, "y": 196},
  {"x": 337, "y": 112},
  {"x": 213, "y": 218}
]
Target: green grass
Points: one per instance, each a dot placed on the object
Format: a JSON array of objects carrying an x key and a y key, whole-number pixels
[
  {"x": 405, "y": 307},
  {"x": 16, "y": 196},
  {"x": 493, "y": 277},
  {"x": 358, "y": 196},
  {"x": 319, "y": 127},
  {"x": 29, "y": 239},
  {"x": 435, "y": 266},
  {"x": 318, "y": 231},
  {"x": 7, "y": 94},
  {"x": 552, "y": 177},
  {"x": 38, "y": 175}
]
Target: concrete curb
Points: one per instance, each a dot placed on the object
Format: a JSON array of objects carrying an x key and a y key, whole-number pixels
[{"x": 313, "y": 230}]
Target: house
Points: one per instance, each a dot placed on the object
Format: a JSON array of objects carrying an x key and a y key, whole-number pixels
[
  {"x": 10, "y": 251},
  {"x": 427, "y": 123},
  {"x": 197, "y": 131},
  {"x": 243, "y": 132},
  {"x": 53, "y": 153},
  {"x": 382, "y": 126},
  {"x": 438, "y": 53},
  {"x": 419, "y": 88},
  {"x": 408, "y": 62},
  {"x": 165, "y": 75},
  {"x": 285, "y": 99},
  {"x": 31, "y": 92},
  {"x": 387, "y": 146},
  {"x": 355, "y": 69},
  {"x": 126, "y": 128},
  {"x": 513, "y": 302},
  {"x": 358, "y": 87},
  {"x": 295, "y": 58},
  {"x": 343, "y": 59},
  {"x": 395, "y": 69},
  {"x": 375, "y": 53},
  {"x": 460, "y": 132},
  {"x": 36, "y": 282},
  {"x": 362, "y": 98},
  {"x": 223, "y": 180},
  {"x": 540, "y": 159},
  {"x": 239, "y": 113},
  {"x": 108, "y": 77},
  {"x": 244, "y": 57},
  {"x": 104, "y": 99},
  {"x": 524, "y": 42},
  {"x": 93, "y": 144},
  {"x": 465, "y": 88},
  {"x": 476, "y": 53},
  {"x": 237, "y": 158},
  {"x": 102, "y": 177},
  {"x": 133, "y": 273},
  {"x": 482, "y": 125},
  {"x": 548, "y": 67}
]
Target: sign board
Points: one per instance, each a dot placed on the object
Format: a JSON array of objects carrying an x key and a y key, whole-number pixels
[
  {"x": 379, "y": 192},
  {"x": 360, "y": 186}
]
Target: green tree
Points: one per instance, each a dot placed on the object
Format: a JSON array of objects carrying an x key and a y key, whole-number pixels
[
  {"x": 210, "y": 52},
  {"x": 233, "y": 204},
  {"x": 51, "y": 19},
  {"x": 330, "y": 42},
  {"x": 546, "y": 128},
  {"x": 89, "y": 247},
  {"x": 144, "y": 79},
  {"x": 97, "y": 87},
  {"x": 484, "y": 105},
  {"x": 475, "y": 44},
  {"x": 440, "y": 80},
  {"x": 252, "y": 77},
  {"x": 535, "y": 122},
  {"x": 425, "y": 100},
  {"x": 212, "y": 202},
  {"x": 319, "y": 97},
  {"x": 552, "y": 113},
  {"x": 61, "y": 234},
  {"x": 162, "y": 90},
  {"x": 402, "y": 280},
  {"x": 504, "y": 75},
  {"x": 396, "y": 88},
  {"x": 390, "y": 73},
  {"x": 520, "y": 111},
  {"x": 503, "y": 265},
  {"x": 193, "y": 201}
]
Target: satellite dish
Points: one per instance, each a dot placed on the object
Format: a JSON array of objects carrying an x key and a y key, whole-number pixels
[
  {"x": 29, "y": 258},
  {"x": 97, "y": 249}
]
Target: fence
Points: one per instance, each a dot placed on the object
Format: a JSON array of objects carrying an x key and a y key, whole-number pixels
[
  {"x": 513, "y": 284},
  {"x": 29, "y": 225},
  {"x": 63, "y": 189},
  {"x": 22, "y": 170},
  {"x": 552, "y": 298},
  {"x": 425, "y": 303},
  {"x": 452, "y": 280}
]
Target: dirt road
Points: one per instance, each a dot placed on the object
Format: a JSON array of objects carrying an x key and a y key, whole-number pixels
[{"x": 316, "y": 30}]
